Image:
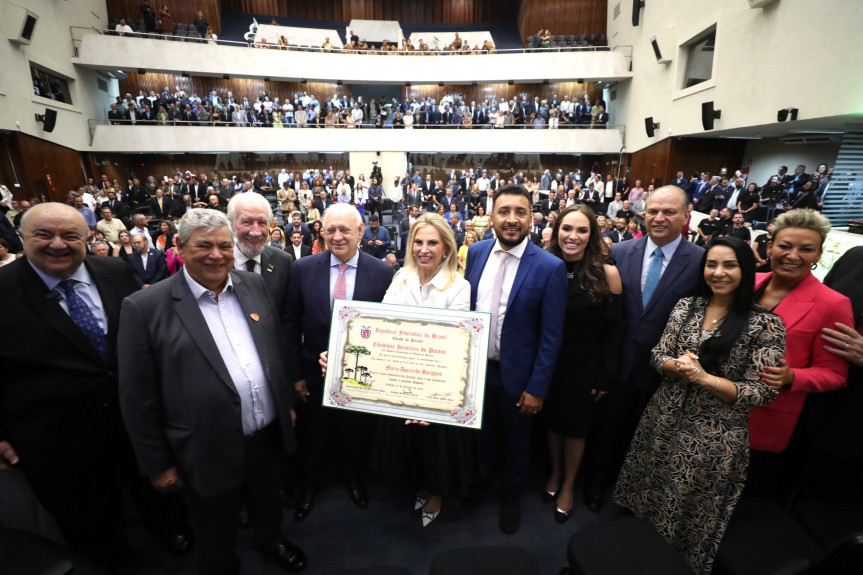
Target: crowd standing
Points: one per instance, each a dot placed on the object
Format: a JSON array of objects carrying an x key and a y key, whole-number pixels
[
  {"x": 222, "y": 108},
  {"x": 694, "y": 359}
]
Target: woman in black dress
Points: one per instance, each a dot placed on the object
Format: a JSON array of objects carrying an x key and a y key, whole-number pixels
[{"x": 588, "y": 353}]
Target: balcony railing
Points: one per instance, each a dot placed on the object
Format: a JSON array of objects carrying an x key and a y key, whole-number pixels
[{"x": 205, "y": 137}]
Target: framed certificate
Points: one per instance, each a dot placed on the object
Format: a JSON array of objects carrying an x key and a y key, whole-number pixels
[{"x": 407, "y": 362}]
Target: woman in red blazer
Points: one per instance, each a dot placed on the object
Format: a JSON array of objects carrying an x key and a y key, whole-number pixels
[{"x": 806, "y": 306}]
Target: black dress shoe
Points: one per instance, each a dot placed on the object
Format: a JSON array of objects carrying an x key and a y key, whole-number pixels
[
  {"x": 289, "y": 556},
  {"x": 359, "y": 494},
  {"x": 594, "y": 496},
  {"x": 510, "y": 517},
  {"x": 304, "y": 505},
  {"x": 178, "y": 539},
  {"x": 561, "y": 516}
]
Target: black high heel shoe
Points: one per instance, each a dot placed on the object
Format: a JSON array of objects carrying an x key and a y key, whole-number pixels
[{"x": 548, "y": 496}]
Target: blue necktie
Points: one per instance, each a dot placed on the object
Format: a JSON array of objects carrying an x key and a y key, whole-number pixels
[
  {"x": 653, "y": 274},
  {"x": 84, "y": 318}
]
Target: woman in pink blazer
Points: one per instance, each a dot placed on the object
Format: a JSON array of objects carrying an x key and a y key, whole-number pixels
[{"x": 806, "y": 306}]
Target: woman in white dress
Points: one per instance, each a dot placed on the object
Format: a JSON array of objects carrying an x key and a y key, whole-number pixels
[
  {"x": 439, "y": 459},
  {"x": 408, "y": 120}
]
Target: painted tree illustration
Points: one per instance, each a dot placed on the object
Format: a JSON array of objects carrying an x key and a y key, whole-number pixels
[
  {"x": 348, "y": 372},
  {"x": 358, "y": 350},
  {"x": 365, "y": 373}
]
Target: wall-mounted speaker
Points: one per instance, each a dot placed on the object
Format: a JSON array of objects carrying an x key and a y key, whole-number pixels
[
  {"x": 663, "y": 45},
  {"x": 783, "y": 115},
  {"x": 708, "y": 114},
  {"x": 20, "y": 24},
  {"x": 650, "y": 127},
  {"x": 48, "y": 119},
  {"x": 637, "y": 5}
]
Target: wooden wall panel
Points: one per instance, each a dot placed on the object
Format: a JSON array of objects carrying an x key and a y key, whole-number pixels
[
  {"x": 239, "y": 86},
  {"x": 34, "y": 160},
  {"x": 562, "y": 17},
  {"x": 182, "y": 11},
  {"x": 661, "y": 161},
  {"x": 126, "y": 166},
  {"x": 415, "y": 12},
  {"x": 482, "y": 92}
]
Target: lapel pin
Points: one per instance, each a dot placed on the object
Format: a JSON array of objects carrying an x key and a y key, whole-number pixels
[
  {"x": 270, "y": 267},
  {"x": 254, "y": 316}
]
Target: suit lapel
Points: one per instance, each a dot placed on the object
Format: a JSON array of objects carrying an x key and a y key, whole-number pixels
[
  {"x": 252, "y": 305},
  {"x": 110, "y": 303},
  {"x": 524, "y": 267},
  {"x": 36, "y": 295},
  {"x": 186, "y": 308},
  {"x": 798, "y": 303}
]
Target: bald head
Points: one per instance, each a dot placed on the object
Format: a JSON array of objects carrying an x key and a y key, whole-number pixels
[{"x": 55, "y": 238}]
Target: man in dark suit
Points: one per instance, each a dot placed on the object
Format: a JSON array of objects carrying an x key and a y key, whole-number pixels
[
  {"x": 524, "y": 343},
  {"x": 656, "y": 271},
  {"x": 160, "y": 206},
  {"x": 427, "y": 188},
  {"x": 536, "y": 228},
  {"x": 217, "y": 341},
  {"x": 296, "y": 249},
  {"x": 298, "y": 225},
  {"x": 340, "y": 272},
  {"x": 250, "y": 215},
  {"x": 148, "y": 264},
  {"x": 60, "y": 377},
  {"x": 620, "y": 233},
  {"x": 680, "y": 181},
  {"x": 118, "y": 209},
  {"x": 448, "y": 199}
]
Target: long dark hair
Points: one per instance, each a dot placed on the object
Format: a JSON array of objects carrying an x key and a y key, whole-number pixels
[
  {"x": 591, "y": 275},
  {"x": 716, "y": 349}
]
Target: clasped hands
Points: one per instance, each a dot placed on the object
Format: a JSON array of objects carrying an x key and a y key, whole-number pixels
[{"x": 689, "y": 369}]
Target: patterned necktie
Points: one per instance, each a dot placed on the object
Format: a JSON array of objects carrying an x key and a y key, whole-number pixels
[
  {"x": 340, "y": 291},
  {"x": 653, "y": 274},
  {"x": 493, "y": 350},
  {"x": 250, "y": 266},
  {"x": 84, "y": 318}
]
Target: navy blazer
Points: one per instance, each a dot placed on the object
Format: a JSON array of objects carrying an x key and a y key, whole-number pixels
[
  {"x": 157, "y": 267},
  {"x": 643, "y": 326},
  {"x": 306, "y": 321},
  {"x": 532, "y": 329}
]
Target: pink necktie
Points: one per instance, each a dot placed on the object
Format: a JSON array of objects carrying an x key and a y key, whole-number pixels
[
  {"x": 341, "y": 289},
  {"x": 493, "y": 350}
]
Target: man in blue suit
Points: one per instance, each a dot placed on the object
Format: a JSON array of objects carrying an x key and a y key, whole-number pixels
[
  {"x": 651, "y": 287},
  {"x": 148, "y": 264},
  {"x": 340, "y": 272},
  {"x": 524, "y": 288}
]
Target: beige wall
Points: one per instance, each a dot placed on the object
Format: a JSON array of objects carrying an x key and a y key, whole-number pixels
[{"x": 793, "y": 53}]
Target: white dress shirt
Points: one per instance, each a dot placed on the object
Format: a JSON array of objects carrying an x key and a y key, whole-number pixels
[
  {"x": 350, "y": 275},
  {"x": 405, "y": 289},
  {"x": 240, "y": 260},
  {"x": 484, "y": 296},
  {"x": 226, "y": 320},
  {"x": 84, "y": 287}
]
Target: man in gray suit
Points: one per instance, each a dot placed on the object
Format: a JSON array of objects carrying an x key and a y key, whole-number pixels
[
  {"x": 250, "y": 215},
  {"x": 656, "y": 270},
  {"x": 204, "y": 396}
]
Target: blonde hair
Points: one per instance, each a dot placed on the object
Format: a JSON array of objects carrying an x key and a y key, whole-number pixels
[
  {"x": 803, "y": 218},
  {"x": 449, "y": 264}
]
